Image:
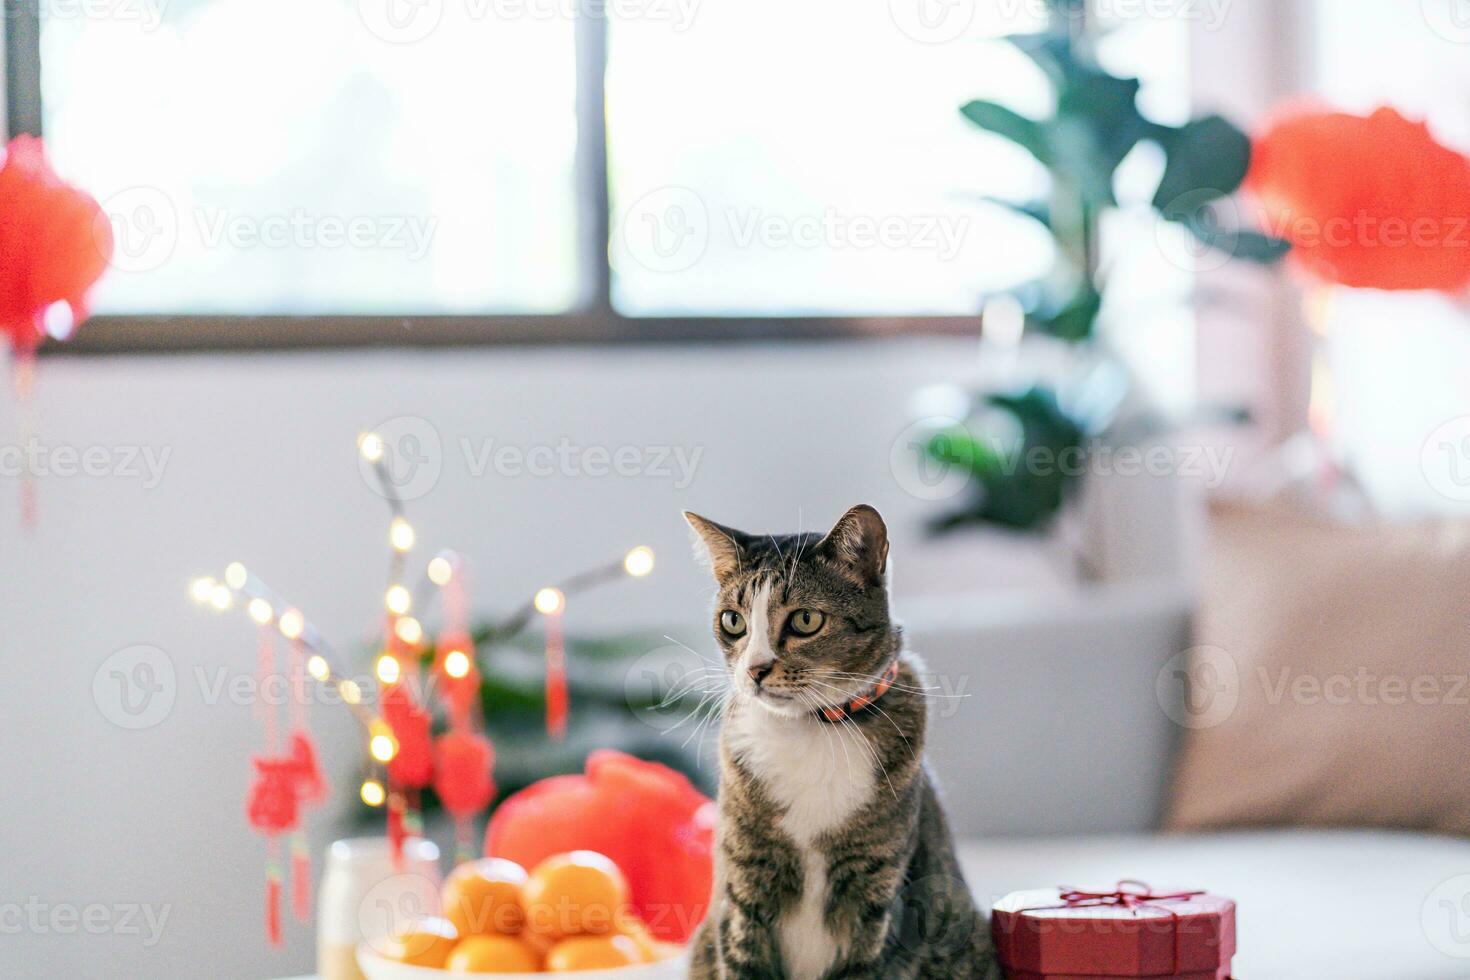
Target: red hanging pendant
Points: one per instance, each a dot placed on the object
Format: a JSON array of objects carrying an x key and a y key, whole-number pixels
[
  {"x": 56, "y": 242},
  {"x": 557, "y": 699}
]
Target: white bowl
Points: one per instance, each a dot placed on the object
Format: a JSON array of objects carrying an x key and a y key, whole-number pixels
[{"x": 375, "y": 967}]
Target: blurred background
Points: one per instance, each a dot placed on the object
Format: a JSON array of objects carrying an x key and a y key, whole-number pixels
[{"x": 1149, "y": 429}]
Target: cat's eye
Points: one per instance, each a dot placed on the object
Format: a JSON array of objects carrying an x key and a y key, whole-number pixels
[
  {"x": 805, "y": 622},
  {"x": 732, "y": 623}
]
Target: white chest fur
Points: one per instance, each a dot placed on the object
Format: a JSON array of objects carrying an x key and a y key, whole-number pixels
[{"x": 821, "y": 774}]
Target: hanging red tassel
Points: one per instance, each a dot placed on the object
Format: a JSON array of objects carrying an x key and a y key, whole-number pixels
[
  {"x": 455, "y": 653},
  {"x": 300, "y": 879},
  {"x": 396, "y": 832},
  {"x": 265, "y": 666},
  {"x": 273, "y": 906},
  {"x": 24, "y": 373},
  {"x": 557, "y": 700},
  {"x": 272, "y": 810}
]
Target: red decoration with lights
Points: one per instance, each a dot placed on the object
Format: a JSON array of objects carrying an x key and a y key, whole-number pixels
[{"x": 405, "y": 756}]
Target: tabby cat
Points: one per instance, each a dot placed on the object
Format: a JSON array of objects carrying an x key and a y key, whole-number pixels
[{"x": 834, "y": 856}]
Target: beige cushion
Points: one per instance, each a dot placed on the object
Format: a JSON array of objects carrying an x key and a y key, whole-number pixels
[{"x": 1349, "y": 703}]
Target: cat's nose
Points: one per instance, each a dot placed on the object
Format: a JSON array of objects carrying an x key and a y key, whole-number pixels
[{"x": 759, "y": 672}]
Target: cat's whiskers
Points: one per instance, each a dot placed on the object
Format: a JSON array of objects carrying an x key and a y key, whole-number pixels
[
  {"x": 712, "y": 698},
  {"x": 690, "y": 684},
  {"x": 878, "y": 708},
  {"x": 692, "y": 712},
  {"x": 862, "y": 741},
  {"x": 719, "y": 712},
  {"x": 932, "y": 690},
  {"x": 829, "y": 733}
]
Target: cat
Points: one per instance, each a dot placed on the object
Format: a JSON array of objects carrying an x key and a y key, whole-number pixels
[{"x": 834, "y": 858}]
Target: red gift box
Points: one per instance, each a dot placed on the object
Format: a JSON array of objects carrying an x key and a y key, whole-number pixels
[{"x": 1132, "y": 931}]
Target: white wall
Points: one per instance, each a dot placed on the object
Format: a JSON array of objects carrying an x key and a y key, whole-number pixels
[{"x": 262, "y": 468}]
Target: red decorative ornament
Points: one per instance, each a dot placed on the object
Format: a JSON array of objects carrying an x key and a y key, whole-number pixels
[
  {"x": 648, "y": 818},
  {"x": 273, "y": 809},
  {"x": 311, "y": 785},
  {"x": 462, "y": 766},
  {"x": 273, "y": 804},
  {"x": 412, "y": 764},
  {"x": 1372, "y": 202},
  {"x": 55, "y": 243},
  {"x": 558, "y": 700},
  {"x": 55, "y": 240},
  {"x": 462, "y": 693}
]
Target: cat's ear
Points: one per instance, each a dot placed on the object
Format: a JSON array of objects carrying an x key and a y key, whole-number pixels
[
  {"x": 858, "y": 542},
  {"x": 722, "y": 547}
]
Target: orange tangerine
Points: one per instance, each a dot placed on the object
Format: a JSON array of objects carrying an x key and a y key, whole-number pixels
[
  {"x": 427, "y": 942},
  {"x": 666, "y": 951},
  {"x": 493, "y": 954},
  {"x": 631, "y": 926},
  {"x": 540, "y": 943},
  {"x": 483, "y": 897},
  {"x": 569, "y": 894},
  {"x": 592, "y": 953}
]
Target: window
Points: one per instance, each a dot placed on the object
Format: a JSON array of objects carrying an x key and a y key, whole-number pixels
[{"x": 760, "y": 166}]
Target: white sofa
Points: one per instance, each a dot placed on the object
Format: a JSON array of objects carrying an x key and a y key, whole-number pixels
[
  {"x": 1055, "y": 763},
  {"x": 1310, "y": 905}
]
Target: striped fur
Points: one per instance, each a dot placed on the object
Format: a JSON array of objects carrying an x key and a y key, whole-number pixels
[{"x": 834, "y": 857}]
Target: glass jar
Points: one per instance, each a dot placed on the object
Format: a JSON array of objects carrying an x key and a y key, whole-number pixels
[{"x": 365, "y": 897}]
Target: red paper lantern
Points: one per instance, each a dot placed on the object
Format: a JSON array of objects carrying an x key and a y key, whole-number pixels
[
  {"x": 648, "y": 818},
  {"x": 55, "y": 242},
  {"x": 1369, "y": 202},
  {"x": 462, "y": 766}
]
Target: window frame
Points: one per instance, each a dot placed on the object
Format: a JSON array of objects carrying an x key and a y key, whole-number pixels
[{"x": 593, "y": 321}]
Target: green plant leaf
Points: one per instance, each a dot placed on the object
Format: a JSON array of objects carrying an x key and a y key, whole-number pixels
[
  {"x": 1252, "y": 246},
  {"x": 1051, "y": 51},
  {"x": 1075, "y": 321},
  {"x": 1207, "y": 159},
  {"x": 1039, "y": 211},
  {"x": 1080, "y": 161},
  {"x": 957, "y": 446},
  {"x": 1109, "y": 102},
  {"x": 995, "y": 118}
]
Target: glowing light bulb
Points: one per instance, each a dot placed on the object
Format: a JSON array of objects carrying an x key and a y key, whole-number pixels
[
  {"x": 549, "y": 600},
  {"x": 371, "y": 445},
  {"x": 201, "y": 589},
  {"x": 350, "y": 692},
  {"x": 398, "y": 600},
  {"x": 388, "y": 669},
  {"x": 59, "y": 319},
  {"x": 235, "y": 575},
  {"x": 291, "y": 624},
  {"x": 440, "y": 571},
  {"x": 456, "y": 663},
  {"x": 260, "y": 611},
  {"x": 400, "y": 534},
  {"x": 638, "y": 562},
  {"x": 221, "y": 598},
  {"x": 382, "y": 745},
  {"x": 316, "y": 666},
  {"x": 409, "y": 630},
  {"x": 372, "y": 792}
]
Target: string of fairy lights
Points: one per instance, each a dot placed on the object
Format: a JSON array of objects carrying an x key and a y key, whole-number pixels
[{"x": 241, "y": 588}]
